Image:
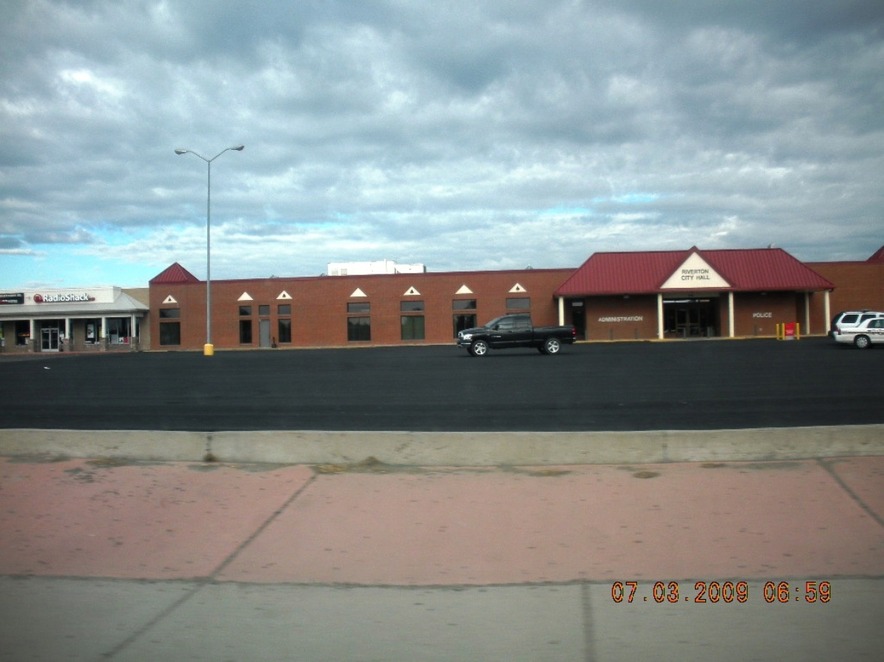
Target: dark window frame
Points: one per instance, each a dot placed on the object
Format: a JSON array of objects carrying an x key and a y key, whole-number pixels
[
  {"x": 412, "y": 306},
  {"x": 463, "y": 321},
  {"x": 358, "y": 307},
  {"x": 170, "y": 334},
  {"x": 518, "y": 303},
  {"x": 284, "y": 330},
  {"x": 246, "y": 333},
  {"x": 464, "y": 304},
  {"x": 412, "y": 327},
  {"x": 359, "y": 328}
]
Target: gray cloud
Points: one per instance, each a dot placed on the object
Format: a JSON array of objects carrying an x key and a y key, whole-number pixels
[{"x": 466, "y": 135}]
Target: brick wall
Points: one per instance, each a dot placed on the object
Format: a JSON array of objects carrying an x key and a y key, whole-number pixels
[
  {"x": 858, "y": 285},
  {"x": 319, "y": 305}
]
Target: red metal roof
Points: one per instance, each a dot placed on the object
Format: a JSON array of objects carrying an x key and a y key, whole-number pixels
[
  {"x": 174, "y": 274},
  {"x": 877, "y": 256},
  {"x": 747, "y": 270}
]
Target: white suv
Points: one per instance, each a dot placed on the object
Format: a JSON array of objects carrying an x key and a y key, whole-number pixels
[
  {"x": 847, "y": 321},
  {"x": 864, "y": 335}
]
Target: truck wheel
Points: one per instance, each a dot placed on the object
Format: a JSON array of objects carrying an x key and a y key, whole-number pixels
[
  {"x": 479, "y": 348},
  {"x": 862, "y": 342},
  {"x": 551, "y": 346}
]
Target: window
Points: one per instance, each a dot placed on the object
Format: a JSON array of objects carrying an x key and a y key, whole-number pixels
[
  {"x": 412, "y": 327},
  {"x": 463, "y": 304},
  {"x": 518, "y": 303},
  {"x": 462, "y": 322},
  {"x": 92, "y": 326},
  {"x": 284, "y": 330},
  {"x": 358, "y": 328},
  {"x": 170, "y": 333},
  {"x": 22, "y": 333},
  {"x": 245, "y": 332},
  {"x": 411, "y": 306},
  {"x": 284, "y": 309},
  {"x": 170, "y": 313},
  {"x": 245, "y": 311},
  {"x": 264, "y": 310},
  {"x": 118, "y": 330}
]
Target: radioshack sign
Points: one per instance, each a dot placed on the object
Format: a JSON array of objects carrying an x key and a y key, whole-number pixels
[{"x": 73, "y": 297}]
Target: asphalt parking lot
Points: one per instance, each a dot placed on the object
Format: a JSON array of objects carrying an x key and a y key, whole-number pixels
[{"x": 588, "y": 387}]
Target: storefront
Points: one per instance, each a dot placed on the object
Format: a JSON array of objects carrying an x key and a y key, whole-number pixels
[
  {"x": 693, "y": 294},
  {"x": 57, "y": 320}
]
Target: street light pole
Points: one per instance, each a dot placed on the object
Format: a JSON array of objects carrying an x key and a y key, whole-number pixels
[{"x": 209, "y": 348}]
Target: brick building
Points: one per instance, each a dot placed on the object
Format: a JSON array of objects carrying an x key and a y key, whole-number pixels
[
  {"x": 341, "y": 310},
  {"x": 637, "y": 295},
  {"x": 612, "y": 296},
  {"x": 694, "y": 293},
  {"x": 858, "y": 285}
]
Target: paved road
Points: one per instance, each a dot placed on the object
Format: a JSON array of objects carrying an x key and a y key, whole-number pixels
[{"x": 702, "y": 385}]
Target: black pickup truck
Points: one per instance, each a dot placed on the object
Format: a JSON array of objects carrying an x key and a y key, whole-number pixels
[{"x": 515, "y": 331}]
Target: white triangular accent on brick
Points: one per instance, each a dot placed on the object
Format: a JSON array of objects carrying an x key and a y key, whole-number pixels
[
  {"x": 464, "y": 290},
  {"x": 517, "y": 289},
  {"x": 245, "y": 296},
  {"x": 358, "y": 293},
  {"x": 410, "y": 292},
  {"x": 694, "y": 274},
  {"x": 170, "y": 299},
  {"x": 284, "y": 296}
]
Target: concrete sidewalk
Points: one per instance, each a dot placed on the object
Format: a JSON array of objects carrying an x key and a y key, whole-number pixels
[{"x": 138, "y": 560}]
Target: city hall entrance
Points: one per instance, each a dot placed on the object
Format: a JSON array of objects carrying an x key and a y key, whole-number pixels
[{"x": 691, "y": 317}]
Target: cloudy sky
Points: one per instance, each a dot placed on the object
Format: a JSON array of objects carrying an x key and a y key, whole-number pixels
[{"x": 462, "y": 135}]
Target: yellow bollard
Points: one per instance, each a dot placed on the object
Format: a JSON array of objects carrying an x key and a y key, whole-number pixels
[{"x": 208, "y": 349}]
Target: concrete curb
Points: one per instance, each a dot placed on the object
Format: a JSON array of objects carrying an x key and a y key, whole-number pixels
[{"x": 453, "y": 448}]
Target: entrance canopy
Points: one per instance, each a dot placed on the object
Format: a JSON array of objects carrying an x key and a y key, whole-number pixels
[{"x": 660, "y": 272}]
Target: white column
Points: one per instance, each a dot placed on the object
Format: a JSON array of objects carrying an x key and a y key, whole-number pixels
[
  {"x": 660, "y": 316},
  {"x": 561, "y": 311},
  {"x": 805, "y": 330},
  {"x": 828, "y": 311},
  {"x": 730, "y": 314},
  {"x": 34, "y": 339},
  {"x": 103, "y": 330},
  {"x": 132, "y": 328}
]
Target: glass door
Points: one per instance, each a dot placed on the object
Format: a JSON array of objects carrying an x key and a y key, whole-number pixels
[{"x": 49, "y": 335}]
